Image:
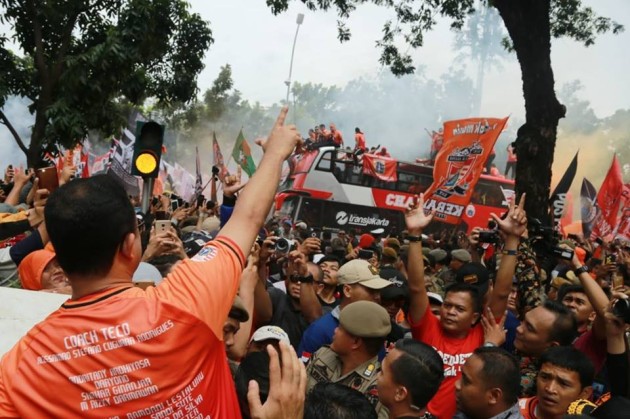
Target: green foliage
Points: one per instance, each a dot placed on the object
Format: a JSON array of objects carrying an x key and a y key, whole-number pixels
[
  {"x": 83, "y": 61},
  {"x": 569, "y": 18}
]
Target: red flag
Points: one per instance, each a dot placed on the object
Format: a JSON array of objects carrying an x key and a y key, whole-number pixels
[
  {"x": 383, "y": 168},
  {"x": 459, "y": 163},
  {"x": 608, "y": 200},
  {"x": 217, "y": 157},
  {"x": 623, "y": 228}
]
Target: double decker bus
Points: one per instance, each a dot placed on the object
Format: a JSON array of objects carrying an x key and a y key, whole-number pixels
[{"x": 327, "y": 187}]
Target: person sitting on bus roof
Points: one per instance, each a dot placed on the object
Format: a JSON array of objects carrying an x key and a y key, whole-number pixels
[{"x": 383, "y": 153}]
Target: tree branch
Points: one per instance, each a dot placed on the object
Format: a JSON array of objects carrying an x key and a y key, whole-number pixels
[
  {"x": 39, "y": 44},
  {"x": 4, "y": 120}
]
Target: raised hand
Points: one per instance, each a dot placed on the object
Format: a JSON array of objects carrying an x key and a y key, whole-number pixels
[
  {"x": 515, "y": 223},
  {"x": 493, "y": 332},
  {"x": 233, "y": 184},
  {"x": 415, "y": 217},
  {"x": 283, "y": 138},
  {"x": 287, "y": 387}
]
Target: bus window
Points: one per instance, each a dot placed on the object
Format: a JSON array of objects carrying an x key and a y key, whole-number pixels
[
  {"x": 414, "y": 183},
  {"x": 325, "y": 163},
  {"x": 489, "y": 193},
  {"x": 289, "y": 206}
]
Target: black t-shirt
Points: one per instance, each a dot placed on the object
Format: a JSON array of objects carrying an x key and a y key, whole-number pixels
[{"x": 286, "y": 317}]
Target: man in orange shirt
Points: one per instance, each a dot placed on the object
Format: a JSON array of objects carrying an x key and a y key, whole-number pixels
[
  {"x": 114, "y": 350},
  {"x": 336, "y": 135}
]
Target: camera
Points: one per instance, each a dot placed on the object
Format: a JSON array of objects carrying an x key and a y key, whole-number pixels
[
  {"x": 489, "y": 236},
  {"x": 545, "y": 240},
  {"x": 283, "y": 246},
  {"x": 621, "y": 309}
]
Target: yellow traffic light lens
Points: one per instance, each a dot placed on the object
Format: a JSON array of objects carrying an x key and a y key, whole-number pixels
[{"x": 146, "y": 163}]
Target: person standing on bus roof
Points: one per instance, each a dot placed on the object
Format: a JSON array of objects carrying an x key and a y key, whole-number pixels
[
  {"x": 337, "y": 138},
  {"x": 359, "y": 139}
]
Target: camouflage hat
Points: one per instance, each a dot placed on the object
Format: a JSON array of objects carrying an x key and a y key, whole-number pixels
[
  {"x": 365, "y": 319},
  {"x": 360, "y": 271},
  {"x": 461, "y": 255}
]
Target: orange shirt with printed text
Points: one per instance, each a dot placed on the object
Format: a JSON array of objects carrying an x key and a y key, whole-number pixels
[{"x": 130, "y": 353}]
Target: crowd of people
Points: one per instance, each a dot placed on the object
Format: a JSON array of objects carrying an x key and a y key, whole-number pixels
[{"x": 216, "y": 310}]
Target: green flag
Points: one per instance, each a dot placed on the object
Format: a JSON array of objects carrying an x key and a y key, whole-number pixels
[{"x": 242, "y": 154}]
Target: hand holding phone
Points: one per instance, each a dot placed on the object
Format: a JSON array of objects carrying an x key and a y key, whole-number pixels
[
  {"x": 162, "y": 226},
  {"x": 48, "y": 178}
]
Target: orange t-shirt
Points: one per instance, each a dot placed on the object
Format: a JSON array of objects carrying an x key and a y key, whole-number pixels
[
  {"x": 454, "y": 353},
  {"x": 130, "y": 353}
]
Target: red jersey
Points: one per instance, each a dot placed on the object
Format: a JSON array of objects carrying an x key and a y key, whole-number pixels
[
  {"x": 127, "y": 352},
  {"x": 454, "y": 353}
]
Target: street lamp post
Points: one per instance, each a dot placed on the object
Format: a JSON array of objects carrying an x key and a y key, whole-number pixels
[{"x": 299, "y": 20}]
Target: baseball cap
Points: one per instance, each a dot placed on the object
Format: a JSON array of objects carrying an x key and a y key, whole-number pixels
[
  {"x": 270, "y": 332},
  {"x": 365, "y": 319},
  {"x": 238, "y": 310},
  {"x": 399, "y": 287},
  {"x": 461, "y": 255},
  {"x": 359, "y": 271},
  {"x": 434, "y": 297},
  {"x": 366, "y": 240},
  {"x": 475, "y": 274},
  {"x": 379, "y": 230},
  {"x": 438, "y": 254},
  {"x": 32, "y": 267}
]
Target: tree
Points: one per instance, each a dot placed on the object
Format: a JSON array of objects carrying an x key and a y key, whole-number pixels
[
  {"x": 84, "y": 62},
  {"x": 530, "y": 24}
]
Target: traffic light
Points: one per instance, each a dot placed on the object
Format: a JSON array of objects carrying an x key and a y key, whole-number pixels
[{"x": 147, "y": 149}]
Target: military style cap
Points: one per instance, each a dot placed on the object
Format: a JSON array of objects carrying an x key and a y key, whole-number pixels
[
  {"x": 474, "y": 274},
  {"x": 438, "y": 254},
  {"x": 461, "y": 255},
  {"x": 360, "y": 271},
  {"x": 365, "y": 319},
  {"x": 238, "y": 310}
]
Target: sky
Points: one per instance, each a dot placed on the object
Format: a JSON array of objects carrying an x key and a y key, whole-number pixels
[
  {"x": 258, "y": 47},
  {"x": 258, "y": 44}
]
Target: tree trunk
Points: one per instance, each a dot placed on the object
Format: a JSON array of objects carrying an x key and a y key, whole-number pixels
[{"x": 527, "y": 22}]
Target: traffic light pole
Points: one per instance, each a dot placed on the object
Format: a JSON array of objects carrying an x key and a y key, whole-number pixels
[{"x": 147, "y": 193}]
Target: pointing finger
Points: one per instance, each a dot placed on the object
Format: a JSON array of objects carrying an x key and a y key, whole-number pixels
[
  {"x": 281, "y": 116},
  {"x": 521, "y": 203}
]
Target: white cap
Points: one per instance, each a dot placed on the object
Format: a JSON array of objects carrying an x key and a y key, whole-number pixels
[
  {"x": 270, "y": 332},
  {"x": 379, "y": 230},
  {"x": 436, "y": 297}
]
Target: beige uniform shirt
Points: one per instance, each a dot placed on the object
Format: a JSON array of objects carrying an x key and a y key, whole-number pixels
[{"x": 325, "y": 367}]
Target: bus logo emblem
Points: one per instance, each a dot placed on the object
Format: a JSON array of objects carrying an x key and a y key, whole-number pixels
[{"x": 342, "y": 218}]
